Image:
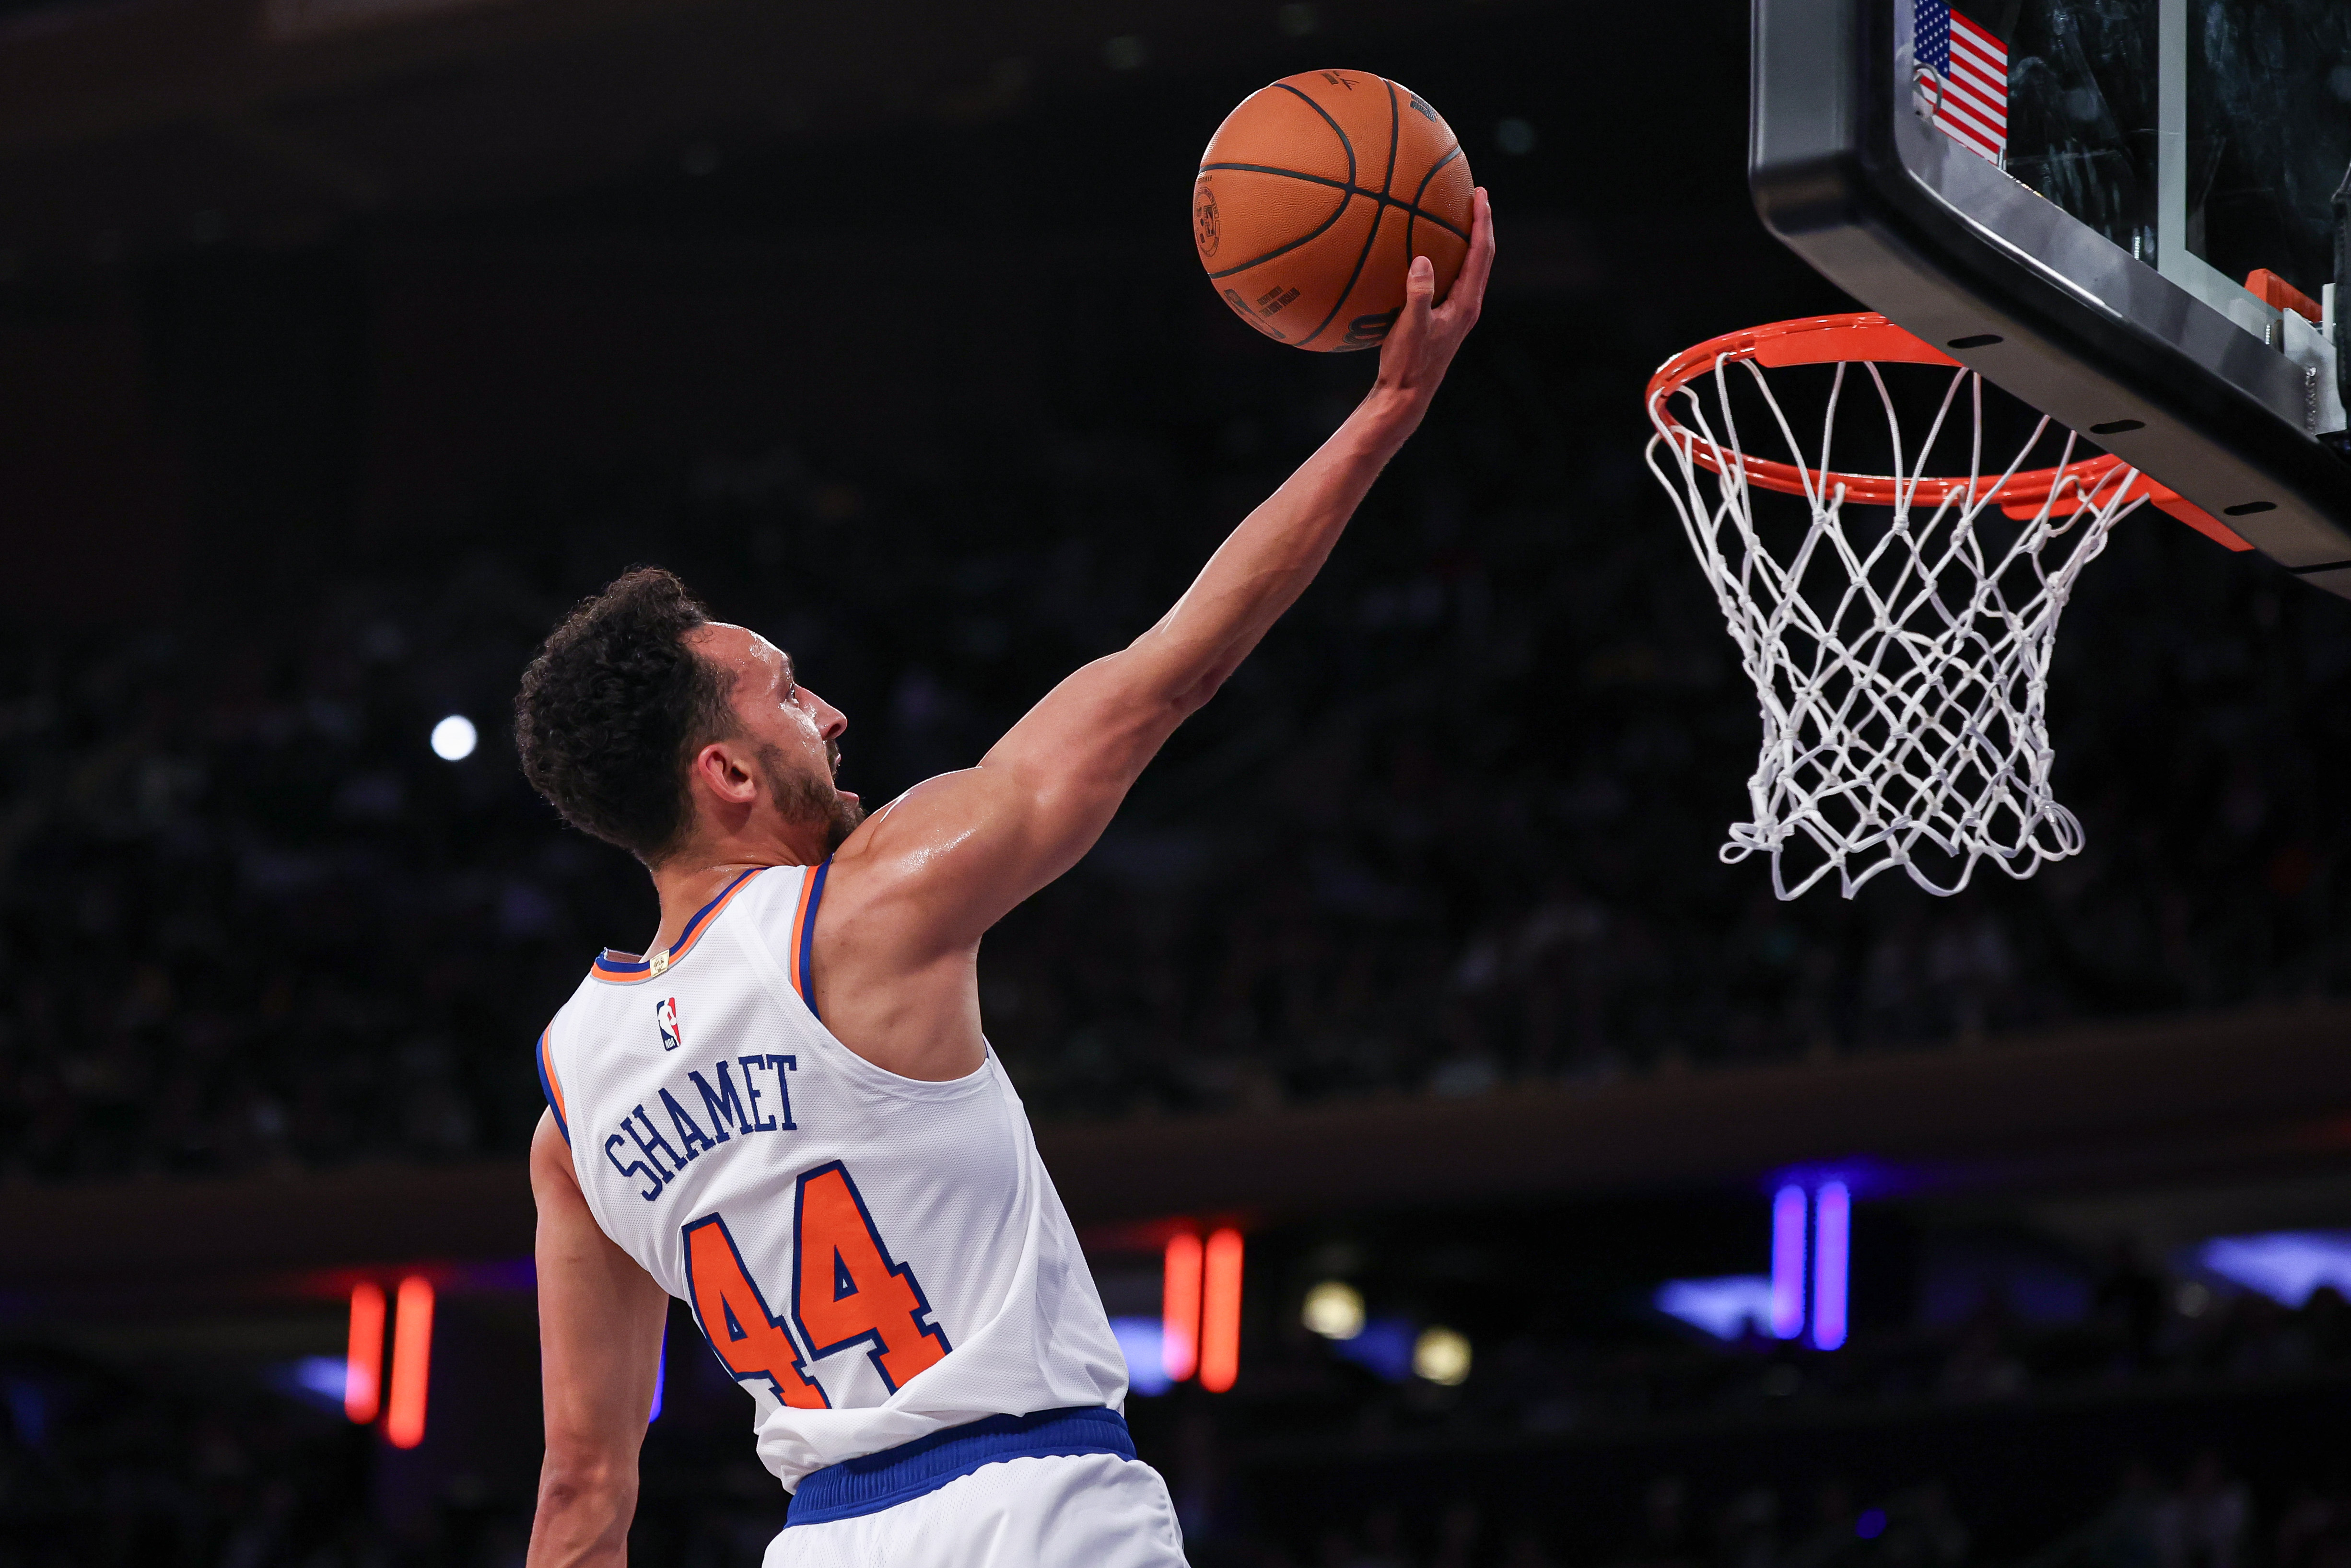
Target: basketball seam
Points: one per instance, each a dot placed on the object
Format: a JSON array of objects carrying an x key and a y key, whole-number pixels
[
  {"x": 1418, "y": 194},
  {"x": 1336, "y": 130},
  {"x": 1381, "y": 198},
  {"x": 1315, "y": 234},
  {"x": 1379, "y": 211},
  {"x": 1347, "y": 191},
  {"x": 1396, "y": 134}
]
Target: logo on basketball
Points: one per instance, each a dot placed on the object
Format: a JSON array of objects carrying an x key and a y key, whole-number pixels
[
  {"x": 665, "y": 1018},
  {"x": 1275, "y": 298},
  {"x": 1241, "y": 308},
  {"x": 1203, "y": 218},
  {"x": 1365, "y": 330}
]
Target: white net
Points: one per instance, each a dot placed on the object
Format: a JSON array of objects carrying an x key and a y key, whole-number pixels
[{"x": 1898, "y": 628}]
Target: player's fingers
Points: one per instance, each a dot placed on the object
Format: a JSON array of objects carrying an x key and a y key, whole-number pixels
[
  {"x": 1470, "y": 286},
  {"x": 1412, "y": 322},
  {"x": 1420, "y": 284},
  {"x": 1401, "y": 351}
]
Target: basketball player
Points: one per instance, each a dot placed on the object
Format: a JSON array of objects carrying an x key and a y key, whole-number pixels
[{"x": 784, "y": 1112}]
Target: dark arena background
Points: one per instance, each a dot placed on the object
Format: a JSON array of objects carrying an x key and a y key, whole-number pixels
[{"x": 1569, "y": 1200}]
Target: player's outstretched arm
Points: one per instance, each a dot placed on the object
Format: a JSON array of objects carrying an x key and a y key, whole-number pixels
[
  {"x": 600, "y": 1331},
  {"x": 981, "y": 841}
]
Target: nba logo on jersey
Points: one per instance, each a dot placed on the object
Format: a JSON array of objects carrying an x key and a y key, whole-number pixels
[{"x": 665, "y": 1015}]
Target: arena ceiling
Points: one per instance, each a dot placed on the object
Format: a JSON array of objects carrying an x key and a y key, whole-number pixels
[{"x": 162, "y": 124}]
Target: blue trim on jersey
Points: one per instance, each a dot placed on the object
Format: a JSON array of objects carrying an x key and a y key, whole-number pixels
[
  {"x": 873, "y": 1482},
  {"x": 808, "y": 938},
  {"x": 546, "y": 1085}
]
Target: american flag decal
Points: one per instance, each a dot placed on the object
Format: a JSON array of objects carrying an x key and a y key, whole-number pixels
[{"x": 1962, "y": 80}]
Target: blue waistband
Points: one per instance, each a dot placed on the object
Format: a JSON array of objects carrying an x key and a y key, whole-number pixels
[{"x": 873, "y": 1482}]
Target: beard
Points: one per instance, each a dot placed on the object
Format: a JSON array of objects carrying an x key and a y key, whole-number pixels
[{"x": 804, "y": 798}]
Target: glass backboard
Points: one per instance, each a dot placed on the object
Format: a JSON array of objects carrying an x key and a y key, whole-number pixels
[{"x": 2121, "y": 210}]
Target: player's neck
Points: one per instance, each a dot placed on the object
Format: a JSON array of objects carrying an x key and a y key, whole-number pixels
[{"x": 690, "y": 878}]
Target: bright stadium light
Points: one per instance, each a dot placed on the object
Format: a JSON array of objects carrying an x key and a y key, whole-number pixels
[
  {"x": 1221, "y": 1311},
  {"x": 411, "y": 1363},
  {"x": 1726, "y": 1307},
  {"x": 1831, "y": 1230},
  {"x": 2287, "y": 1266},
  {"x": 324, "y": 1378},
  {"x": 1788, "y": 1262},
  {"x": 363, "y": 1362},
  {"x": 1142, "y": 1340},
  {"x": 1179, "y": 1343},
  {"x": 453, "y": 738},
  {"x": 1333, "y": 1309},
  {"x": 1441, "y": 1355}
]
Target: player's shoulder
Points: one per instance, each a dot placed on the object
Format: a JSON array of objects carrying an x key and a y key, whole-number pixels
[
  {"x": 581, "y": 1017},
  {"x": 582, "y": 998},
  {"x": 550, "y": 1060}
]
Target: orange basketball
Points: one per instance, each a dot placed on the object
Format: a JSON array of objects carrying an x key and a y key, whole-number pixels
[{"x": 1314, "y": 197}]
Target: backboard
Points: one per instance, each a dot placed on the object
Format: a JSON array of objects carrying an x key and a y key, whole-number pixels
[{"x": 2120, "y": 210}]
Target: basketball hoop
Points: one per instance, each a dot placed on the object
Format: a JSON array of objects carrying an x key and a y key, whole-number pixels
[{"x": 1901, "y": 654}]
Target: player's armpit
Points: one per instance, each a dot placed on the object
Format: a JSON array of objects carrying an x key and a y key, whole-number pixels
[{"x": 600, "y": 1329}]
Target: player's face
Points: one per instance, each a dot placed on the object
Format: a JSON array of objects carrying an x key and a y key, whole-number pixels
[{"x": 794, "y": 732}]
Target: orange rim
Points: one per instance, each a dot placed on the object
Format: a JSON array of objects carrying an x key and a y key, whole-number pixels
[{"x": 1862, "y": 337}]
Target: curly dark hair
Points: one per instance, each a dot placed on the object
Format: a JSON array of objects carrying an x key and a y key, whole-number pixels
[{"x": 613, "y": 706}]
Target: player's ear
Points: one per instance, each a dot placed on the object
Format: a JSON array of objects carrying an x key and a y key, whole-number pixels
[{"x": 726, "y": 774}]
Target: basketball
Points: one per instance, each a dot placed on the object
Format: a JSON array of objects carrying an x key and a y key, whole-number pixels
[{"x": 1313, "y": 199}]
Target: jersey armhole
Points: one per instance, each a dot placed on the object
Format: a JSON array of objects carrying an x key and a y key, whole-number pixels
[
  {"x": 800, "y": 963},
  {"x": 782, "y": 934},
  {"x": 550, "y": 1085}
]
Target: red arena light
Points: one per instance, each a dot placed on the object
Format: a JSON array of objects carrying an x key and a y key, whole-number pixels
[
  {"x": 1220, "y": 1312},
  {"x": 1179, "y": 1342},
  {"x": 363, "y": 1360},
  {"x": 411, "y": 1363}
]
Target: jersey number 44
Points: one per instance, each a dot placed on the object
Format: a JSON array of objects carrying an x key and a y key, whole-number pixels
[{"x": 844, "y": 1289}]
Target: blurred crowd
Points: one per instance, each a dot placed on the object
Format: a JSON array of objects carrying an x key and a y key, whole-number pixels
[
  {"x": 1453, "y": 825},
  {"x": 99, "y": 1467},
  {"x": 2200, "y": 1514},
  {"x": 1545, "y": 1381}
]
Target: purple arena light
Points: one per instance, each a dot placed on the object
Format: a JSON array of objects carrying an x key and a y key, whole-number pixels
[
  {"x": 2287, "y": 1266},
  {"x": 1788, "y": 1262},
  {"x": 1142, "y": 1341},
  {"x": 1726, "y": 1308},
  {"x": 1832, "y": 1223}
]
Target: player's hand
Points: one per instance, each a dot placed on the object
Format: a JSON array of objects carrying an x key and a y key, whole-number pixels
[{"x": 1421, "y": 345}]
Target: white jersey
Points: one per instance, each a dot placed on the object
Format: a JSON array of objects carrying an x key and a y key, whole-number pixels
[{"x": 875, "y": 1258}]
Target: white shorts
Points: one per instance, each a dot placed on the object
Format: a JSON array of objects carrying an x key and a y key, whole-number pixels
[{"x": 1075, "y": 1510}]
